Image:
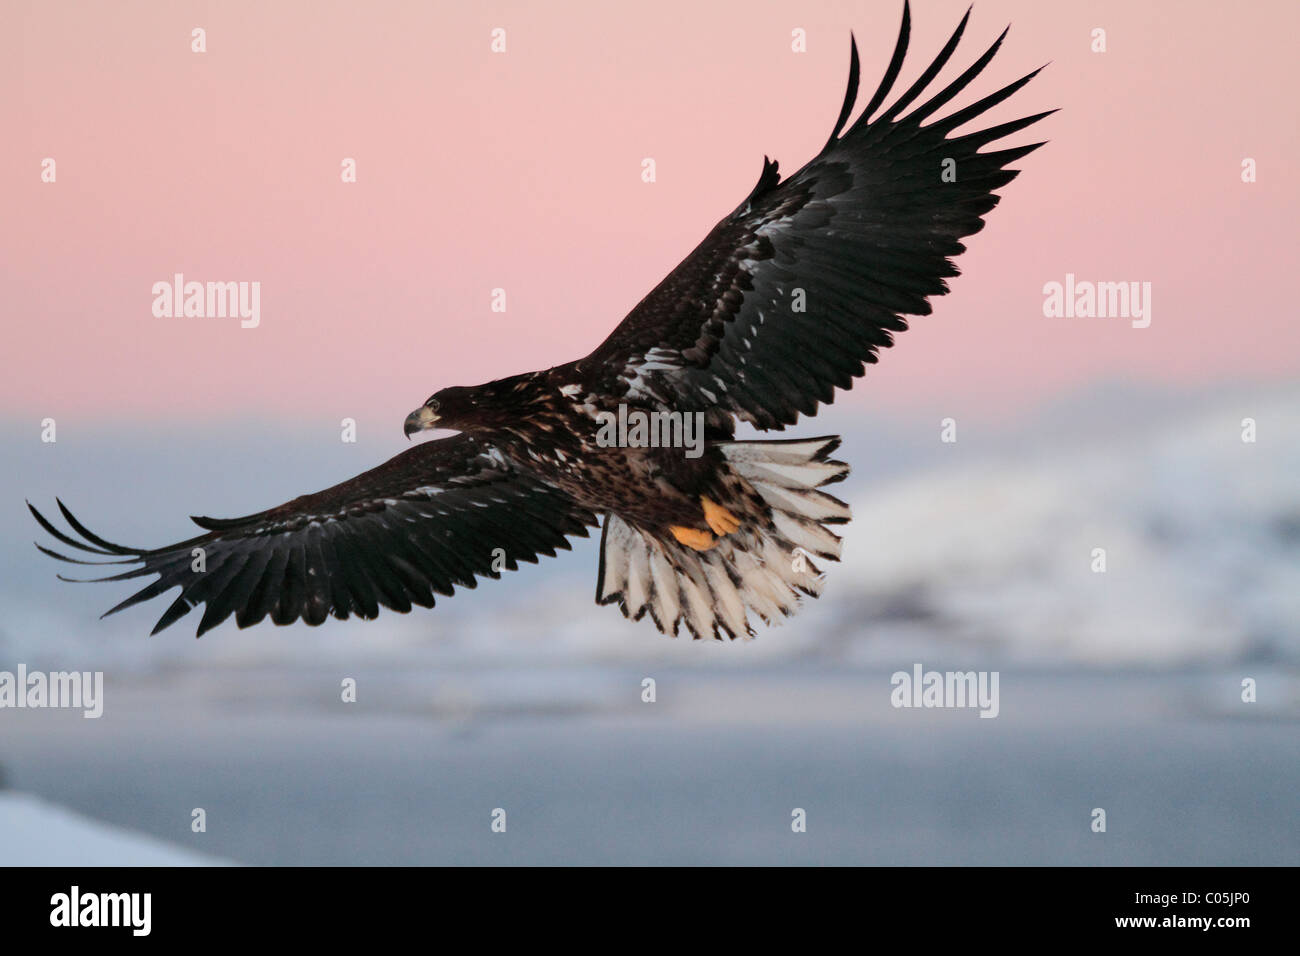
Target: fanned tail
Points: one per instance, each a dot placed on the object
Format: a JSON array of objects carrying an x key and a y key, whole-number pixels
[{"x": 764, "y": 568}]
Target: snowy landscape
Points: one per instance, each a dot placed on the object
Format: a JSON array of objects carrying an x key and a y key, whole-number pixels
[{"x": 1120, "y": 686}]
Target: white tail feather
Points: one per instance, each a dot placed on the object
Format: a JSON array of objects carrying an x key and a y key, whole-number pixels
[{"x": 764, "y": 567}]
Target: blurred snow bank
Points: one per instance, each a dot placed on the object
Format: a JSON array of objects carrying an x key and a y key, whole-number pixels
[
  {"x": 1201, "y": 533},
  {"x": 36, "y": 833}
]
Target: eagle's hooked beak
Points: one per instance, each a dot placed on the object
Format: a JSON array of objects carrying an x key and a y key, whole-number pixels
[{"x": 420, "y": 419}]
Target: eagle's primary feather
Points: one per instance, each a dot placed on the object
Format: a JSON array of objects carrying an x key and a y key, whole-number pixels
[{"x": 788, "y": 298}]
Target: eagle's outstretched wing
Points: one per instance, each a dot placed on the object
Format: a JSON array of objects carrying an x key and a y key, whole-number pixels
[
  {"x": 428, "y": 519},
  {"x": 789, "y": 295}
]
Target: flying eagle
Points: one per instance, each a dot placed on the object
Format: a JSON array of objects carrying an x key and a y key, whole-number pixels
[{"x": 786, "y": 300}]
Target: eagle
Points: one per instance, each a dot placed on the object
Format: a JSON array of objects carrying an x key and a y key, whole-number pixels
[{"x": 786, "y": 300}]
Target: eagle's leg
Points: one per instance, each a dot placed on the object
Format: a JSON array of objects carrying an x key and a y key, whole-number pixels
[
  {"x": 693, "y": 538},
  {"x": 719, "y": 518}
]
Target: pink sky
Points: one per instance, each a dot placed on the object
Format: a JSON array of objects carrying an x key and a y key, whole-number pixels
[{"x": 522, "y": 171}]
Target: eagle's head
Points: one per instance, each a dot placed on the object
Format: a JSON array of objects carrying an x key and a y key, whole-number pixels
[
  {"x": 492, "y": 406},
  {"x": 456, "y": 408}
]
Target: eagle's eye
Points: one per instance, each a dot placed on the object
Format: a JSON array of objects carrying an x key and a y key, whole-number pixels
[{"x": 433, "y": 404}]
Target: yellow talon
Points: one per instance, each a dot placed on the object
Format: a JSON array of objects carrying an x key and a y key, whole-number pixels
[
  {"x": 719, "y": 518},
  {"x": 693, "y": 537}
]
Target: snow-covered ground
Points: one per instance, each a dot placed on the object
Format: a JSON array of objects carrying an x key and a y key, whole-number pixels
[{"x": 34, "y": 832}]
